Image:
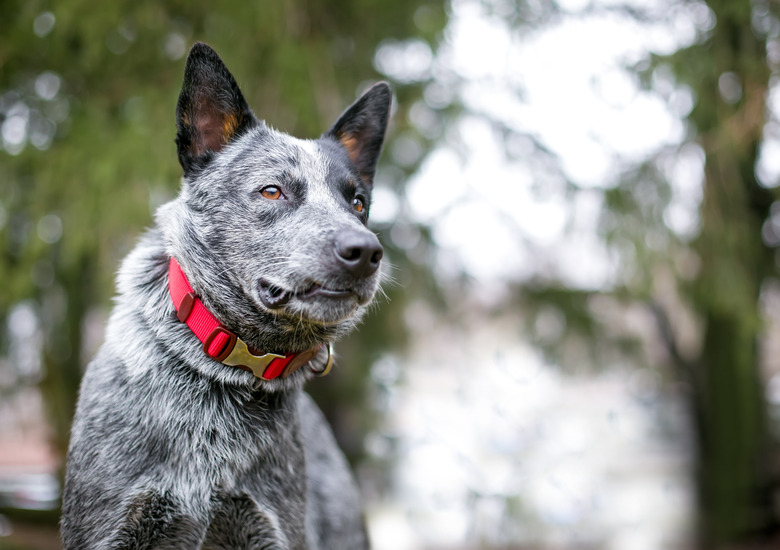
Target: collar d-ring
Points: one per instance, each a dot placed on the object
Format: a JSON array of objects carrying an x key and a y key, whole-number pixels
[{"x": 328, "y": 364}]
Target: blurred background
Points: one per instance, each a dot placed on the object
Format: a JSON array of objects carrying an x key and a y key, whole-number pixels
[{"x": 580, "y": 343}]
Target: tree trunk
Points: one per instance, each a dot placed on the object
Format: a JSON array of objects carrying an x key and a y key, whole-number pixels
[{"x": 734, "y": 461}]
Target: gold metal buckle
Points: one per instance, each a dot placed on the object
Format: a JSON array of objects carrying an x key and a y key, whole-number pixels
[{"x": 240, "y": 356}]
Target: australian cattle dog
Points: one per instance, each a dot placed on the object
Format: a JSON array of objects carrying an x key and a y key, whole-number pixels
[{"x": 192, "y": 430}]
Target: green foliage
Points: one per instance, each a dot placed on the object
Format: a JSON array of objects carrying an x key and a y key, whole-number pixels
[
  {"x": 119, "y": 67},
  {"x": 93, "y": 87}
]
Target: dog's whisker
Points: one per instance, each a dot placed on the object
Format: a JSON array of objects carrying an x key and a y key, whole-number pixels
[{"x": 382, "y": 293}]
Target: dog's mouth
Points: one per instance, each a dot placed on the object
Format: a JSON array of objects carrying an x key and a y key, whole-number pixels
[{"x": 274, "y": 297}]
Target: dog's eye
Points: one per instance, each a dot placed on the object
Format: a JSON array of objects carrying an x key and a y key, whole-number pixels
[
  {"x": 357, "y": 204},
  {"x": 271, "y": 192}
]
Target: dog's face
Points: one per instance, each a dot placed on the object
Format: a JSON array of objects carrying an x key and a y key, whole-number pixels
[{"x": 272, "y": 229}]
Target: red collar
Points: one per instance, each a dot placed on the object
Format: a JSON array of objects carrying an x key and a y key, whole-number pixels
[{"x": 223, "y": 345}]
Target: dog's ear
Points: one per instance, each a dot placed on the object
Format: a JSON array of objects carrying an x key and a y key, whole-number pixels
[
  {"x": 211, "y": 110},
  {"x": 361, "y": 129}
]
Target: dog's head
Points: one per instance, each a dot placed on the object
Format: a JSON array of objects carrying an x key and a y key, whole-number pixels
[{"x": 271, "y": 229}]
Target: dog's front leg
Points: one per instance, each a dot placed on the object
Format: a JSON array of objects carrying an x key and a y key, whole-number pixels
[
  {"x": 154, "y": 519},
  {"x": 239, "y": 523}
]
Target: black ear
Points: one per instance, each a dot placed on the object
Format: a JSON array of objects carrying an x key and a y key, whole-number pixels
[
  {"x": 361, "y": 129},
  {"x": 211, "y": 110}
]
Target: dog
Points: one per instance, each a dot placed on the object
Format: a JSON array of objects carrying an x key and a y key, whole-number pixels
[{"x": 191, "y": 428}]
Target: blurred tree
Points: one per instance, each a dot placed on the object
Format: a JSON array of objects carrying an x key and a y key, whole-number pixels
[
  {"x": 729, "y": 75},
  {"x": 87, "y": 98},
  {"x": 712, "y": 282}
]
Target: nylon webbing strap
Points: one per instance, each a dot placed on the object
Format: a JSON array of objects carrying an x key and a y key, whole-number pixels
[
  {"x": 218, "y": 342},
  {"x": 198, "y": 318}
]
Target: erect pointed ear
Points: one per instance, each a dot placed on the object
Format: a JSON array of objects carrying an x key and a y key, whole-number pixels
[
  {"x": 211, "y": 110},
  {"x": 361, "y": 129}
]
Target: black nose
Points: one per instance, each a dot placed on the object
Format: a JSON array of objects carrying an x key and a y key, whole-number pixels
[{"x": 358, "y": 253}]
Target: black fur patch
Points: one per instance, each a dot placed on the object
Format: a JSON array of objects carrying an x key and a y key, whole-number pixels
[
  {"x": 361, "y": 129},
  {"x": 237, "y": 522},
  {"x": 153, "y": 520},
  {"x": 211, "y": 110}
]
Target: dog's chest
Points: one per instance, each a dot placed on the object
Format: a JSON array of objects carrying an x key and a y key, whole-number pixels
[{"x": 264, "y": 506}]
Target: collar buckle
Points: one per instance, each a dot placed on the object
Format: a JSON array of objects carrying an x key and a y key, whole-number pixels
[{"x": 236, "y": 353}]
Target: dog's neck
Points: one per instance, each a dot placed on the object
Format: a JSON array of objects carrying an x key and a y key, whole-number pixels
[
  {"x": 226, "y": 347},
  {"x": 142, "y": 293}
]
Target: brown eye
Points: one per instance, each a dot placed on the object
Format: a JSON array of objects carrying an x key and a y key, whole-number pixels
[
  {"x": 357, "y": 204},
  {"x": 271, "y": 192}
]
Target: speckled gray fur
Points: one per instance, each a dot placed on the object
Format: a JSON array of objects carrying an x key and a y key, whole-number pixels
[{"x": 172, "y": 450}]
